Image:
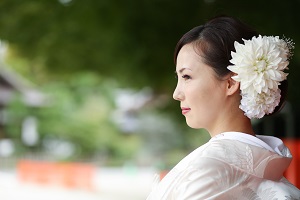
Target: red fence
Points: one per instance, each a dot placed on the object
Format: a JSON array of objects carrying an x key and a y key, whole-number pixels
[
  {"x": 71, "y": 175},
  {"x": 293, "y": 172}
]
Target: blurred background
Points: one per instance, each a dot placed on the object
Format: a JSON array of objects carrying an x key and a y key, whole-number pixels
[{"x": 86, "y": 108}]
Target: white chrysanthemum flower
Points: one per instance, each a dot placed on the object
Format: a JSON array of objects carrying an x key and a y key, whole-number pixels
[
  {"x": 259, "y": 65},
  {"x": 256, "y": 105}
]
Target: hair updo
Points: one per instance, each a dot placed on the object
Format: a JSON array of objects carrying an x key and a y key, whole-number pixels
[{"x": 214, "y": 42}]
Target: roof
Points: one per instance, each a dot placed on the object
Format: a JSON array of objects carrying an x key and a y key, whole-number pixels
[{"x": 11, "y": 83}]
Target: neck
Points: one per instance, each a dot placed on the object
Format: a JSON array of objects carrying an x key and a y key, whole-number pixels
[{"x": 236, "y": 122}]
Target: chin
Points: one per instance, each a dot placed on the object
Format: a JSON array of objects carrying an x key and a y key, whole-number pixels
[{"x": 193, "y": 125}]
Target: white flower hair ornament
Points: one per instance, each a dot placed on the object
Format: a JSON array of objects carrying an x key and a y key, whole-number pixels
[{"x": 259, "y": 66}]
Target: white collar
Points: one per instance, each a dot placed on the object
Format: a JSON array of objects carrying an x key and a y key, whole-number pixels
[{"x": 267, "y": 142}]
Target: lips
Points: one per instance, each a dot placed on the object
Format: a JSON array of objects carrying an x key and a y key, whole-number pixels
[{"x": 185, "y": 110}]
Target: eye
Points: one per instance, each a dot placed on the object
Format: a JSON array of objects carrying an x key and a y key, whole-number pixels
[{"x": 186, "y": 77}]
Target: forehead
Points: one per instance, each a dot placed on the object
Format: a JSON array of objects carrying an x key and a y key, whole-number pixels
[{"x": 188, "y": 58}]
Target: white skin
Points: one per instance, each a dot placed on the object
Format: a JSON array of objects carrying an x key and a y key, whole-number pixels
[{"x": 212, "y": 103}]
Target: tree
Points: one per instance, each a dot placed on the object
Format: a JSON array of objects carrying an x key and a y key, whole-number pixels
[
  {"x": 122, "y": 38},
  {"x": 79, "y": 114},
  {"x": 130, "y": 41}
]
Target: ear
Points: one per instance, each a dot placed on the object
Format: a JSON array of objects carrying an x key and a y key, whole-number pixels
[{"x": 233, "y": 86}]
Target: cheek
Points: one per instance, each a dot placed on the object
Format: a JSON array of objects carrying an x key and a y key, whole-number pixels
[
  {"x": 205, "y": 97},
  {"x": 201, "y": 92},
  {"x": 197, "y": 99}
]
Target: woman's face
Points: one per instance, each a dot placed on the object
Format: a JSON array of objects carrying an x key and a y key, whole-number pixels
[{"x": 200, "y": 93}]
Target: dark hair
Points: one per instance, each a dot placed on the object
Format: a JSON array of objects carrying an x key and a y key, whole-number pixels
[{"x": 214, "y": 42}]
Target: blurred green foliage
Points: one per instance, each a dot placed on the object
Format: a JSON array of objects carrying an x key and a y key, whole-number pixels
[
  {"x": 129, "y": 41},
  {"x": 132, "y": 40},
  {"x": 78, "y": 112}
]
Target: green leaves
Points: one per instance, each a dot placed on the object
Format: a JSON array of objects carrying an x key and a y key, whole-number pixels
[
  {"x": 122, "y": 38},
  {"x": 130, "y": 42}
]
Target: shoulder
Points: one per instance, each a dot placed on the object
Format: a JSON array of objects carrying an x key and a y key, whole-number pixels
[
  {"x": 220, "y": 162},
  {"x": 223, "y": 150},
  {"x": 207, "y": 177},
  {"x": 229, "y": 154}
]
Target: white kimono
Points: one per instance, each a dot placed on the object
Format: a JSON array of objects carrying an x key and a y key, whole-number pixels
[{"x": 231, "y": 165}]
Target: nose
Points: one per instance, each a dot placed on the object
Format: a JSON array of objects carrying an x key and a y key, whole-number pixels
[{"x": 178, "y": 94}]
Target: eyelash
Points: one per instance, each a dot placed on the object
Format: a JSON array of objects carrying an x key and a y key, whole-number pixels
[{"x": 186, "y": 77}]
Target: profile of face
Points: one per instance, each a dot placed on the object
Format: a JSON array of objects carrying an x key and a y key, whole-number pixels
[{"x": 201, "y": 93}]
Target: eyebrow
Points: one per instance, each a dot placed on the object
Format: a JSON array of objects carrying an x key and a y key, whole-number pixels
[{"x": 182, "y": 69}]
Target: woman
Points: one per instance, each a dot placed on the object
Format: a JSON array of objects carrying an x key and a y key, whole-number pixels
[{"x": 228, "y": 74}]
